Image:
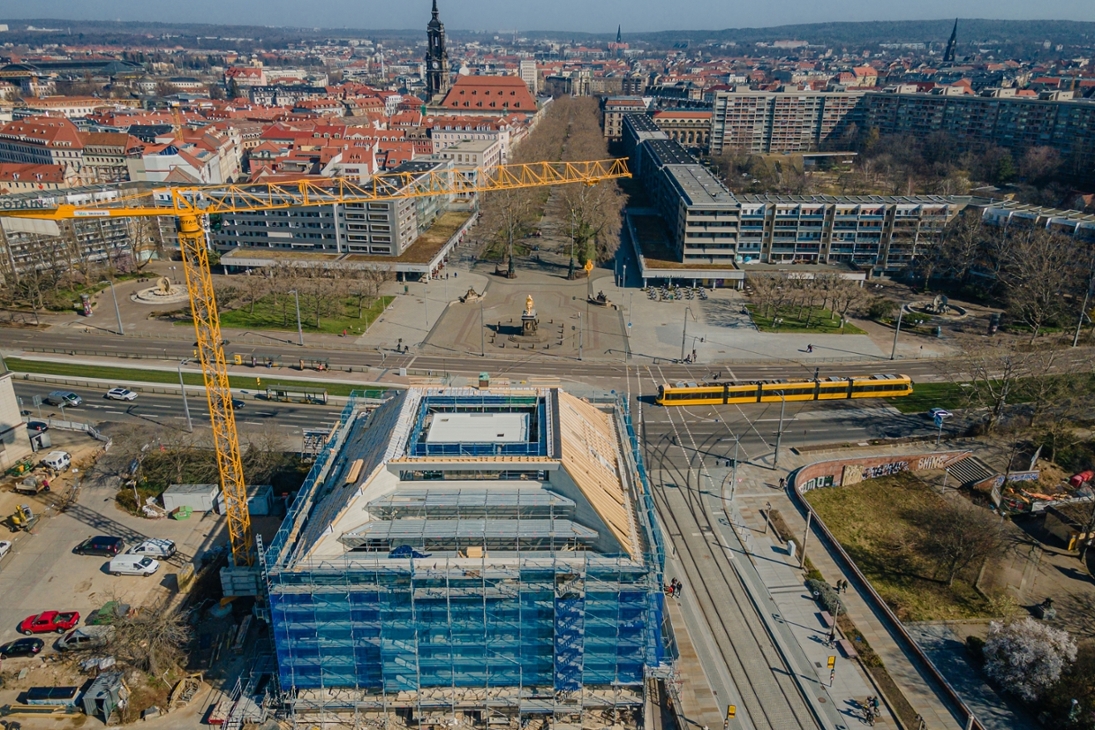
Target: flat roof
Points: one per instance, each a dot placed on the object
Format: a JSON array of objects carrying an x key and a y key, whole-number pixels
[
  {"x": 698, "y": 186},
  {"x": 478, "y": 428}
]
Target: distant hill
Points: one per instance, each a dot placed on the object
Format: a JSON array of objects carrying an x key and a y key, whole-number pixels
[{"x": 993, "y": 34}]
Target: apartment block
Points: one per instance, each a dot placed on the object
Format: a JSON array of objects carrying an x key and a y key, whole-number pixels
[
  {"x": 615, "y": 108},
  {"x": 781, "y": 121},
  {"x": 709, "y": 225}
]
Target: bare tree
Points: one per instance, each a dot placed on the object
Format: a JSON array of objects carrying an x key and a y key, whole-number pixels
[
  {"x": 1040, "y": 269},
  {"x": 151, "y": 640},
  {"x": 992, "y": 375},
  {"x": 961, "y": 534}
]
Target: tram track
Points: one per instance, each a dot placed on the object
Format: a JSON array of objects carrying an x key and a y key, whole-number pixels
[{"x": 770, "y": 694}]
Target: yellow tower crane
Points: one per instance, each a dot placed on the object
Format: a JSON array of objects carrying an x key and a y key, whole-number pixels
[{"x": 189, "y": 203}]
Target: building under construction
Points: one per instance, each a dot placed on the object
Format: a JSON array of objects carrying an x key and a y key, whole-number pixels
[{"x": 471, "y": 558}]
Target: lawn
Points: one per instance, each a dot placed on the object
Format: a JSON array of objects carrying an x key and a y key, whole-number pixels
[
  {"x": 931, "y": 395},
  {"x": 879, "y": 524},
  {"x": 269, "y": 315},
  {"x": 821, "y": 321},
  {"x": 128, "y": 375}
]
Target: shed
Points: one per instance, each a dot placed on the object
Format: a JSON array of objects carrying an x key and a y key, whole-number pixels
[
  {"x": 106, "y": 694},
  {"x": 260, "y": 500},
  {"x": 198, "y": 497}
]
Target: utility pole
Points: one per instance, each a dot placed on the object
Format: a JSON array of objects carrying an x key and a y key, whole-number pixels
[
  {"x": 897, "y": 331},
  {"x": 300, "y": 330},
  {"x": 1083, "y": 311},
  {"x": 805, "y": 538},
  {"x": 186, "y": 406},
  {"x": 779, "y": 432},
  {"x": 734, "y": 472}
]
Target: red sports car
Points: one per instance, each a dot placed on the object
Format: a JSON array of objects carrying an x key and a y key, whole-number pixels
[{"x": 49, "y": 621}]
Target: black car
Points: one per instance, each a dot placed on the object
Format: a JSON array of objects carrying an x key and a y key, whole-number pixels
[
  {"x": 37, "y": 426},
  {"x": 102, "y": 545},
  {"x": 22, "y": 647},
  {"x": 237, "y": 404}
]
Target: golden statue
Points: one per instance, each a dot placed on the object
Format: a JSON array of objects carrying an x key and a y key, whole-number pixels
[{"x": 528, "y": 305}]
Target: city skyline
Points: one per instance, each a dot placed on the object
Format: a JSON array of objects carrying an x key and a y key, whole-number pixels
[{"x": 564, "y": 16}]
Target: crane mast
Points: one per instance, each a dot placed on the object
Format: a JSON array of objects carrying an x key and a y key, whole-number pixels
[{"x": 189, "y": 203}]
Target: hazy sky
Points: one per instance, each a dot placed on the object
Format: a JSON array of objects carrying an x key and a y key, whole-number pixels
[{"x": 579, "y": 15}]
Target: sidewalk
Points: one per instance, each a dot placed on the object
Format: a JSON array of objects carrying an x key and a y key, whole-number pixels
[{"x": 753, "y": 492}]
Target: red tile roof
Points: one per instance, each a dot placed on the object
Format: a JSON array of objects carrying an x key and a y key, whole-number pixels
[{"x": 490, "y": 92}]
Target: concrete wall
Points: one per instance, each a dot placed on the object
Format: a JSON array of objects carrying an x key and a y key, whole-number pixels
[{"x": 14, "y": 442}]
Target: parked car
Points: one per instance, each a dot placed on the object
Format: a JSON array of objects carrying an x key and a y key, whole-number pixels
[
  {"x": 133, "y": 565},
  {"x": 120, "y": 394},
  {"x": 108, "y": 614},
  {"x": 103, "y": 545},
  {"x": 5, "y": 547},
  {"x": 939, "y": 413},
  {"x": 155, "y": 548},
  {"x": 22, "y": 647},
  {"x": 37, "y": 426},
  {"x": 86, "y": 637},
  {"x": 49, "y": 621},
  {"x": 57, "y": 460},
  {"x": 65, "y": 398}
]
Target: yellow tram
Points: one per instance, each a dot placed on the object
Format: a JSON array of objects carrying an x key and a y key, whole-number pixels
[{"x": 768, "y": 391}]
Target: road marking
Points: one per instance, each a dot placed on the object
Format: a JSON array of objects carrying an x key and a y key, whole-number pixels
[{"x": 162, "y": 408}]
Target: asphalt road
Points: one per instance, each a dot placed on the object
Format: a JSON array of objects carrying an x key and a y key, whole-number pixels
[
  {"x": 289, "y": 418},
  {"x": 99, "y": 344}
]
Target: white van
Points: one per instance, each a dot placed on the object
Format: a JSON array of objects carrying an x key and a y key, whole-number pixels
[
  {"x": 133, "y": 565},
  {"x": 57, "y": 460},
  {"x": 155, "y": 548}
]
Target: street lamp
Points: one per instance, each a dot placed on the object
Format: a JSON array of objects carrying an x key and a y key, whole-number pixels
[
  {"x": 300, "y": 330},
  {"x": 684, "y": 334},
  {"x": 581, "y": 333},
  {"x": 186, "y": 406},
  {"x": 897, "y": 331},
  {"x": 779, "y": 432},
  {"x": 117, "y": 312},
  {"x": 482, "y": 332}
]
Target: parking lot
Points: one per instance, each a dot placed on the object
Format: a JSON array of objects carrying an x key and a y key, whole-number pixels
[{"x": 41, "y": 572}]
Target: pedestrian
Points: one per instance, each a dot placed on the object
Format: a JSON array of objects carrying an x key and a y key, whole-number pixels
[
  {"x": 680, "y": 587},
  {"x": 809, "y": 348},
  {"x": 782, "y": 483},
  {"x": 832, "y": 635},
  {"x": 874, "y": 703}
]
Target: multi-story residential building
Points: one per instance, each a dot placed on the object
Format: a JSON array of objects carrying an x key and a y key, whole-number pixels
[
  {"x": 25, "y": 177},
  {"x": 709, "y": 225},
  {"x": 802, "y": 121},
  {"x": 1015, "y": 123},
  {"x": 43, "y": 141},
  {"x": 26, "y": 244},
  {"x": 481, "y": 154},
  {"x": 106, "y": 154},
  {"x": 446, "y": 131},
  {"x": 615, "y": 108},
  {"x": 528, "y": 73},
  {"x": 781, "y": 121},
  {"x": 385, "y": 228}
]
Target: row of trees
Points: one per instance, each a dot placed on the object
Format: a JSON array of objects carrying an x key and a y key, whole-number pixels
[
  {"x": 570, "y": 131},
  {"x": 825, "y": 291},
  {"x": 938, "y": 164},
  {"x": 323, "y": 292}
]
